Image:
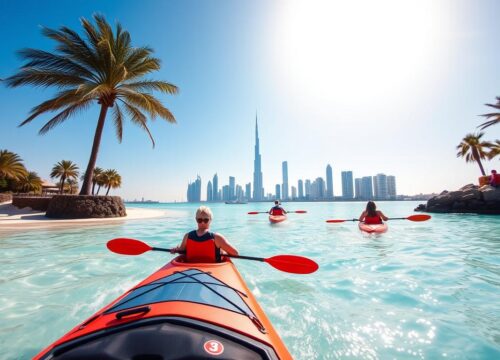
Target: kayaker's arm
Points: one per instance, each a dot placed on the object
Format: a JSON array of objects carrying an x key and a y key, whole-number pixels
[
  {"x": 223, "y": 244},
  {"x": 362, "y": 216},
  {"x": 181, "y": 247},
  {"x": 382, "y": 216}
]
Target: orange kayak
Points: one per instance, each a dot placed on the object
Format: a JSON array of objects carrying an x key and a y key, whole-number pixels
[
  {"x": 274, "y": 219},
  {"x": 373, "y": 228},
  {"x": 182, "y": 311}
]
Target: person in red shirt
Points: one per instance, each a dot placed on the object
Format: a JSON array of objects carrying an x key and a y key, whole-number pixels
[
  {"x": 371, "y": 215},
  {"x": 202, "y": 245},
  {"x": 277, "y": 209},
  {"x": 494, "y": 179}
]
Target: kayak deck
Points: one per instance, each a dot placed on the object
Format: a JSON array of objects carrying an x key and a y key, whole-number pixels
[
  {"x": 183, "y": 310},
  {"x": 373, "y": 228},
  {"x": 274, "y": 219}
]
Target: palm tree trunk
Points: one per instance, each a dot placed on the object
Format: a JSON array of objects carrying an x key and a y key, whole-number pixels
[
  {"x": 87, "y": 182},
  {"x": 98, "y": 189},
  {"x": 93, "y": 187},
  {"x": 63, "y": 179},
  {"x": 107, "y": 192},
  {"x": 478, "y": 159}
]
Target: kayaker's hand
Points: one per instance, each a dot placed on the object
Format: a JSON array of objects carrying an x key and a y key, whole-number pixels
[{"x": 174, "y": 250}]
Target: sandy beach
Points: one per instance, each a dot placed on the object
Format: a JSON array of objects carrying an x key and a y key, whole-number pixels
[{"x": 12, "y": 218}]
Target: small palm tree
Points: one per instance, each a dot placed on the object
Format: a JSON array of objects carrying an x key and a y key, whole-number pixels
[
  {"x": 11, "y": 166},
  {"x": 111, "y": 179},
  {"x": 30, "y": 183},
  {"x": 102, "y": 67},
  {"x": 493, "y": 118},
  {"x": 64, "y": 169},
  {"x": 72, "y": 186},
  {"x": 473, "y": 149},
  {"x": 494, "y": 150},
  {"x": 95, "y": 177}
]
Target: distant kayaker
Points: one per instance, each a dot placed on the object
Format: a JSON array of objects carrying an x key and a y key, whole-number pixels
[
  {"x": 371, "y": 215},
  {"x": 494, "y": 179},
  {"x": 202, "y": 245},
  {"x": 277, "y": 209}
]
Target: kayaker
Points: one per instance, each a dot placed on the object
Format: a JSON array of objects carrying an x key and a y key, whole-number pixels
[
  {"x": 202, "y": 245},
  {"x": 277, "y": 209},
  {"x": 371, "y": 215}
]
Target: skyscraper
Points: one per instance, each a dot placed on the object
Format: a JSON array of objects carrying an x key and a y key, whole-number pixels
[
  {"x": 347, "y": 190},
  {"x": 209, "y": 191},
  {"x": 194, "y": 190},
  {"x": 329, "y": 182},
  {"x": 215, "y": 188},
  {"x": 391, "y": 187},
  {"x": 366, "y": 190},
  {"x": 248, "y": 191},
  {"x": 301, "y": 189},
  {"x": 284, "y": 186},
  {"x": 278, "y": 192},
  {"x": 307, "y": 187},
  {"x": 357, "y": 188},
  {"x": 380, "y": 186},
  {"x": 232, "y": 188},
  {"x": 294, "y": 193},
  {"x": 258, "y": 189}
]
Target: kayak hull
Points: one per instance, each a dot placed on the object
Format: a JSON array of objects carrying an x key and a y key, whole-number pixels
[
  {"x": 169, "y": 325},
  {"x": 274, "y": 219},
  {"x": 373, "y": 228}
]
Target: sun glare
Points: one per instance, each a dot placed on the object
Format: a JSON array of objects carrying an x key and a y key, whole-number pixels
[{"x": 350, "y": 49}]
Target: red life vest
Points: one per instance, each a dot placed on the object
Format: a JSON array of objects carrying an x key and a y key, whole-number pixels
[
  {"x": 277, "y": 210},
  {"x": 372, "y": 220},
  {"x": 202, "y": 249}
]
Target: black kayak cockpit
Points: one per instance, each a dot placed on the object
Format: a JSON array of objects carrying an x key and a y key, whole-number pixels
[{"x": 163, "y": 338}]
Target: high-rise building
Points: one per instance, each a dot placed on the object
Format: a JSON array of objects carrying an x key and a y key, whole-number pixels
[
  {"x": 294, "y": 193},
  {"x": 329, "y": 182},
  {"x": 248, "y": 191},
  {"x": 357, "y": 188},
  {"x": 209, "y": 191},
  {"x": 318, "y": 189},
  {"x": 278, "y": 191},
  {"x": 215, "y": 188},
  {"x": 232, "y": 188},
  {"x": 194, "y": 190},
  {"x": 239, "y": 193},
  {"x": 308, "y": 188},
  {"x": 301, "y": 189},
  {"x": 225, "y": 193},
  {"x": 391, "y": 187},
  {"x": 347, "y": 190},
  {"x": 380, "y": 187},
  {"x": 366, "y": 191},
  {"x": 258, "y": 189},
  {"x": 284, "y": 186}
]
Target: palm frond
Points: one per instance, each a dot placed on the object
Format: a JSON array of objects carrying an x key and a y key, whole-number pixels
[
  {"x": 151, "y": 85},
  {"x": 118, "y": 120},
  {"x": 64, "y": 115},
  {"x": 138, "y": 118},
  {"x": 148, "y": 103}
]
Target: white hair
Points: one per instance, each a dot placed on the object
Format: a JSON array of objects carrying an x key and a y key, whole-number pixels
[{"x": 204, "y": 210}]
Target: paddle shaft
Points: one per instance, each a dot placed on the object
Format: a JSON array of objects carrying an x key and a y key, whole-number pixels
[{"x": 232, "y": 256}]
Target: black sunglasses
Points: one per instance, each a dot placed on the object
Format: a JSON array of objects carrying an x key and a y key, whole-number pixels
[{"x": 199, "y": 221}]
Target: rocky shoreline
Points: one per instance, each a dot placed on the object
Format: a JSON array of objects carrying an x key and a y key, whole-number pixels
[{"x": 468, "y": 199}]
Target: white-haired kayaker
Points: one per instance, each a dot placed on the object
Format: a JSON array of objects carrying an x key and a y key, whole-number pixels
[
  {"x": 371, "y": 215},
  {"x": 202, "y": 245},
  {"x": 277, "y": 209}
]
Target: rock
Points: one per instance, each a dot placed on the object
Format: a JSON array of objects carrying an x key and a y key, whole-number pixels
[
  {"x": 490, "y": 193},
  {"x": 469, "y": 187},
  {"x": 85, "y": 206}
]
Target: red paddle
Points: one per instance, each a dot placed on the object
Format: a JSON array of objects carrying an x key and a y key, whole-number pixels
[
  {"x": 267, "y": 212},
  {"x": 288, "y": 263},
  {"x": 420, "y": 217}
]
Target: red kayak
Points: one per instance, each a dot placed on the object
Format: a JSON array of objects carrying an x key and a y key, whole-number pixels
[
  {"x": 373, "y": 228},
  {"x": 182, "y": 311},
  {"x": 274, "y": 219}
]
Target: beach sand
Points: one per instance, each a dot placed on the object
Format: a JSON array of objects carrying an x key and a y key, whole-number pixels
[{"x": 12, "y": 218}]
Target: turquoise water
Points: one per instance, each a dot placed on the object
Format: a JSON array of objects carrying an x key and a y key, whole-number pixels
[{"x": 420, "y": 291}]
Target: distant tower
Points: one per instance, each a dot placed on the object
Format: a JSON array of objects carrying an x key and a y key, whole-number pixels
[
  {"x": 391, "y": 187},
  {"x": 278, "y": 192},
  {"x": 329, "y": 182},
  {"x": 301, "y": 189},
  {"x": 284, "y": 186},
  {"x": 209, "y": 191},
  {"x": 215, "y": 186},
  {"x": 232, "y": 188},
  {"x": 347, "y": 189},
  {"x": 380, "y": 187},
  {"x": 258, "y": 190}
]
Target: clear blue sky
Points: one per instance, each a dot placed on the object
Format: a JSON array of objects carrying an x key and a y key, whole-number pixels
[{"x": 386, "y": 86}]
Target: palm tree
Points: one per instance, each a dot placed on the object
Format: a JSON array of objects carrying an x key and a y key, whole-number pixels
[
  {"x": 111, "y": 179},
  {"x": 101, "y": 67},
  {"x": 494, "y": 150},
  {"x": 11, "y": 166},
  {"x": 495, "y": 116},
  {"x": 72, "y": 186},
  {"x": 95, "y": 177},
  {"x": 64, "y": 169},
  {"x": 30, "y": 183},
  {"x": 473, "y": 149}
]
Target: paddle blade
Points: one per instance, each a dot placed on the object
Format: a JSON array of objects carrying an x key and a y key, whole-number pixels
[
  {"x": 126, "y": 246},
  {"x": 292, "y": 264},
  {"x": 253, "y": 212},
  {"x": 335, "y": 221},
  {"x": 300, "y": 212},
  {"x": 420, "y": 217}
]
